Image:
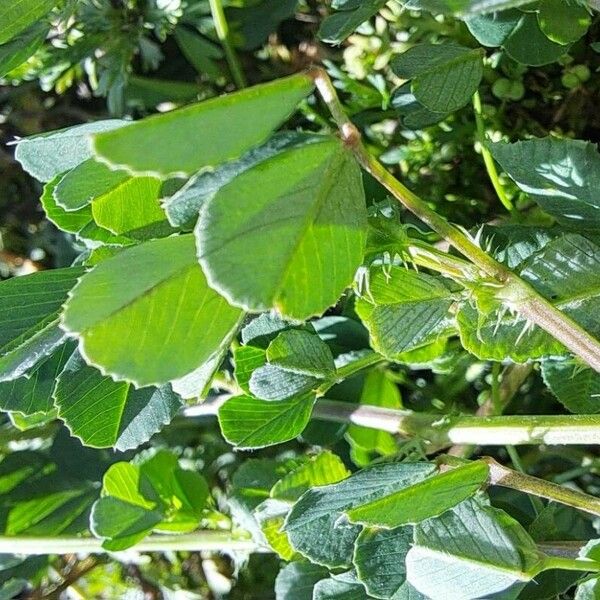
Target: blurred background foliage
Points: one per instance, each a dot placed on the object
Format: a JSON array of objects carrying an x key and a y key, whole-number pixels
[{"x": 129, "y": 58}]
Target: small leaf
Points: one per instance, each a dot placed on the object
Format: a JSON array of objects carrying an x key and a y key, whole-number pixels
[
  {"x": 157, "y": 324},
  {"x": 323, "y": 469},
  {"x": 14, "y": 53},
  {"x": 316, "y": 526},
  {"x": 336, "y": 588},
  {"x": 338, "y": 26},
  {"x": 310, "y": 220},
  {"x": 561, "y": 22},
  {"x": 493, "y": 29},
  {"x": 405, "y": 310},
  {"x": 424, "y": 499},
  {"x": 576, "y": 387},
  {"x": 379, "y": 557},
  {"x": 297, "y": 580},
  {"x": 227, "y": 127},
  {"x": 32, "y": 393},
  {"x": 301, "y": 352},
  {"x": 50, "y": 154},
  {"x": 270, "y": 382},
  {"x": 129, "y": 416},
  {"x": 444, "y": 77},
  {"x": 248, "y": 422}
]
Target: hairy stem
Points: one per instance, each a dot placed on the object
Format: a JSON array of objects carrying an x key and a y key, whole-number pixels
[
  {"x": 516, "y": 293},
  {"x": 572, "y": 564},
  {"x": 198, "y": 541},
  {"x": 488, "y": 160},
  {"x": 222, "y": 29}
]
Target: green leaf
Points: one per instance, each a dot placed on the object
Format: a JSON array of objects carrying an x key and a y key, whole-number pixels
[
  {"x": 316, "y": 526},
  {"x": 444, "y": 77},
  {"x": 182, "y": 208},
  {"x": 576, "y": 387},
  {"x": 50, "y": 154},
  {"x": 469, "y": 7},
  {"x": 561, "y": 22},
  {"x": 528, "y": 44},
  {"x": 379, "y": 556},
  {"x": 228, "y": 126},
  {"x": 22, "y": 47},
  {"x": 18, "y": 15},
  {"x": 153, "y": 493},
  {"x": 202, "y": 54},
  {"x": 248, "y": 422},
  {"x": 413, "y": 114},
  {"x": 500, "y": 335},
  {"x": 339, "y": 587},
  {"x": 471, "y": 551},
  {"x": 29, "y": 312},
  {"x": 297, "y": 580},
  {"x": 493, "y": 29},
  {"x": 560, "y": 175},
  {"x": 378, "y": 390},
  {"x": 131, "y": 207},
  {"x": 157, "y": 324},
  {"x": 310, "y": 220},
  {"x": 424, "y": 499},
  {"x": 567, "y": 272},
  {"x": 338, "y": 26},
  {"x": 404, "y": 310},
  {"x": 270, "y": 515},
  {"x": 32, "y": 393},
  {"x": 322, "y": 469},
  {"x": 246, "y": 360},
  {"x": 301, "y": 352},
  {"x": 87, "y": 181},
  {"x": 80, "y": 222},
  {"x": 129, "y": 416},
  {"x": 270, "y": 382}
]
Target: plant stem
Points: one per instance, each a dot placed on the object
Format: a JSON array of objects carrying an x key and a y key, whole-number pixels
[
  {"x": 536, "y": 503},
  {"x": 488, "y": 160},
  {"x": 516, "y": 293},
  {"x": 198, "y": 541},
  {"x": 571, "y": 564},
  {"x": 222, "y": 29}
]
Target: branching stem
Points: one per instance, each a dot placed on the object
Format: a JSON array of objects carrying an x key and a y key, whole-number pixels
[{"x": 517, "y": 294}]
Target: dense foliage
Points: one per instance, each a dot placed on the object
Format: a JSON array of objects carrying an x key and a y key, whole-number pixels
[{"x": 363, "y": 235}]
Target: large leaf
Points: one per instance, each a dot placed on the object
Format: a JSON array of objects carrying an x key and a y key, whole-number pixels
[
  {"x": 182, "y": 208},
  {"x": 17, "y": 15},
  {"x": 562, "y": 176},
  {"x": 444, "y": 77},
  {"x": 563, "y": 22},
  {"x": 104, "y": 413},
  {"x": 50, "y": 154},
  {"x": 424, "y": 499},
  {"x": 159, "y": 321},
  {"x": 471, "y": 551},
  {"x": 224, "y": 128},
  {"x": 316, "y": 525},
  {"x": 404, "y": 310},
  {"x": 29, "y": 318},
  {"x": 248, "y": 422},
  {"x": 467, "y": 7},
  {"x": 309, "y": 219},
  {"x": 379, "y": 556}
]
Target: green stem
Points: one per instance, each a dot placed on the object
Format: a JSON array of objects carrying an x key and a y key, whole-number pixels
[
  {"x": 198, "y": 541},
  {"x": 515, "y": 293},
  {"x": 222, "y": 29},
  {"x": 571, "y": 564},
  {"x": 536, "y": 503},
  {"x": 488, "y": 160}
]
